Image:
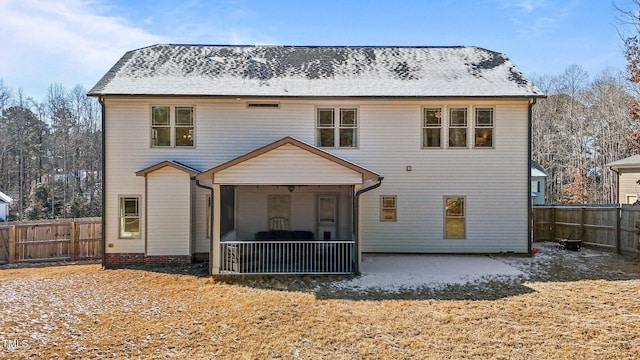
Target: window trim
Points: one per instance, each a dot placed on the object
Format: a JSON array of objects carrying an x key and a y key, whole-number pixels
[
  {"x": 445, "y": 217},
  {"x": 121, "y": 216},
  {"x": 173, "y": 126},
  {"x": 394, "y": 208},
  {"x": 492, "y": 127},
  {"x": 424, "y": 126},
  {"x": 465, "y": 127},
  {"x": 337, "y": 126}
]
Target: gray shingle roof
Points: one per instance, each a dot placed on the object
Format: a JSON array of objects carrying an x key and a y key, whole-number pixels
[
  {"x": 628, "y": 162},
  {"x": 315, "y": 71},
  {"x": 536, "y": 169}
]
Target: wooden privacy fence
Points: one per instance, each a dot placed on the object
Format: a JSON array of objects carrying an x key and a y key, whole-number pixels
[
  {"x": 611, "y": 226},
  {"x": 52, "y": 240}
]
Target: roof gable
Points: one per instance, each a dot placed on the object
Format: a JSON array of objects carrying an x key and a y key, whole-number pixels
[
  {"x": 255, "y": 161},
  {"x": 536, "y": 169},
  {"x": 170, "y": 163},
  {"x": 315, "y": 71}
]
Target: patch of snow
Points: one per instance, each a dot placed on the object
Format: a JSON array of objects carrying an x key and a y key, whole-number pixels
[{"x": 395, "y": 273}]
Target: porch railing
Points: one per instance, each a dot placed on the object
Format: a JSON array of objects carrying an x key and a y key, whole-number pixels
[{"x": 287, "y": 257}]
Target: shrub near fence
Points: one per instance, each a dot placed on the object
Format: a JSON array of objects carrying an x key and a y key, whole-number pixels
[
  {"x": 610, "y": 226},
  {"x": 51, "y": 240}
]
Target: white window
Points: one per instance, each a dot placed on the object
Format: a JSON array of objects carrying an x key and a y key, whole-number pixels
[
  {"x": 279, "y": 210},
  {"x": 432, "y": 128},
  {"x": 172, "y": 126},
  {"x": 388, "y": 208},
  {"x": 343, "y": 134},
  {"x": 458, "y": 127},
  {"x": 484, "y": 128},
  {"x": 535, "y": 186},
  {"x": 454, "y": 217},
  {"x": 129, "y": 217}
]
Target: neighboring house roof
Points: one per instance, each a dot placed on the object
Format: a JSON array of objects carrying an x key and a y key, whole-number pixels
[
  {"x": 174, "y": 164},
  {"x": 5, "y": 198},
  {"x": 629, "y": 162},
  {"x": 299, "y": 71},
  {"x": 366, "y": 173},
  {"x": 537, "y": 170}
]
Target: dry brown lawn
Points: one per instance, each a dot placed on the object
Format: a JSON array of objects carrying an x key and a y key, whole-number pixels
[{"x": 81, "y": 311}]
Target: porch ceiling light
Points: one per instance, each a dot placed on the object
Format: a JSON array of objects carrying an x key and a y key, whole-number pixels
[{"x": 291, "y": 188}]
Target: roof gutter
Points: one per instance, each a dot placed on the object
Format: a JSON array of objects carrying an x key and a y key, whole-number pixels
[
  {"x": 529, "y": 152},
  {"x": 104, "y": 186},
  {"x": 198, "y": 184},
  {"x": 356, "y": 213},
  {"x": 249, "y": 97}
]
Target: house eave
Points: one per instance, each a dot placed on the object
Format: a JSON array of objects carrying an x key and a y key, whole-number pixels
[{"x": 322, "y": 97}]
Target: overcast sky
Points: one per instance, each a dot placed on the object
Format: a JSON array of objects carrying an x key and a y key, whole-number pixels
[{"x": 74, "y": 42}]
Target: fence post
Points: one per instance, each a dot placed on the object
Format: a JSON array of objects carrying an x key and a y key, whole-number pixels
[
  {"x": 72, "y": 240},
  {"x": 12, "y": 244},
  {"x": 583, "y": 220},
  {"x": 618, "y": 227},
  {"x": 553, "y": 224}
]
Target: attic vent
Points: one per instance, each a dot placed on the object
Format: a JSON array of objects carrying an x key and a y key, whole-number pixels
[{"x": 263, "y": 105}]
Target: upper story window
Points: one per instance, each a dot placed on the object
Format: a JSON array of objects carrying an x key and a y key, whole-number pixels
[
  {"x": 484, "y": 128},
  {"x": 172, "y": 126},
  {"x": 342, "y": 133},
  {"x": 432, "y": 128},
  {"x": 458, "y": 127}
]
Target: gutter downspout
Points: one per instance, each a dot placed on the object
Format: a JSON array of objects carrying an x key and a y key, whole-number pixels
[
  {"x": 198, "y": 184},
  {"x": 104, "y": 186},
  {"x": 529, "y": 152},
  {"x": 356, "y": 217}
]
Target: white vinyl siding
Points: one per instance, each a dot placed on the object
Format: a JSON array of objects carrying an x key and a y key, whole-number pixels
[
  {"x": 628, "y": 186},
  {"x": 275, "y": 167},
  {"x": 201, "y": 212},
  {"x": 168, "y": 212},
  {"x": 497, "y": 205},
  {"x": 496, "y": 218}
]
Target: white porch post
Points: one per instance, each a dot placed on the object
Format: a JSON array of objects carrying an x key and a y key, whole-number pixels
[{"x": 215, "y": 236}]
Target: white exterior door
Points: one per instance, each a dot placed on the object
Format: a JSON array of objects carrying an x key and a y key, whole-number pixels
[{"x": 327, "y": 217}]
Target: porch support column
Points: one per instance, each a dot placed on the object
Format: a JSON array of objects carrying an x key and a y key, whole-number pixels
[{"x": 215, "y": 236}]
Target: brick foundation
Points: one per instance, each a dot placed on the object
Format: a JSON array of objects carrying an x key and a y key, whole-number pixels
[
  {"x": 167, "y": 259},
  {"x": 200, "y": 257},
  {"x": 124, "y": 259},
  {"x": 120, "y": 259}
]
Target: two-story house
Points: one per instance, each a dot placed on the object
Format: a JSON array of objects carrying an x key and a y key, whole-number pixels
[{"x": 271, "y": 159}]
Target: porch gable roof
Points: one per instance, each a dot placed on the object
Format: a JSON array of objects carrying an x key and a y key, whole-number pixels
[
  {"x": 318, "y": 156},
  {"x": 170, "y": 163}
]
